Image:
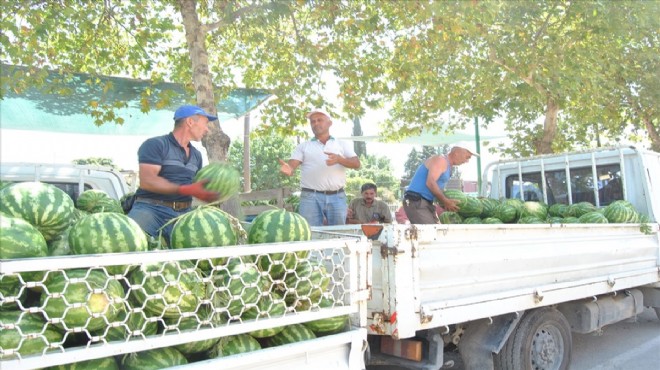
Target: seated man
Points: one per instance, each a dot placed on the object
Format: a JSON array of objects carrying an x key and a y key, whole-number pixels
[{"x": 368, "y": 209}]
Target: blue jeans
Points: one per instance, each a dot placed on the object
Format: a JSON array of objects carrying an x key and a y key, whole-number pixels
[
  {"x": 151, "y": 217},
  {"x": 314, "y": 207}
]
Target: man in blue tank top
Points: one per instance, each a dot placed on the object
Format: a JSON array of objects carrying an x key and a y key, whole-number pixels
[{"x": 429, "y": 182}]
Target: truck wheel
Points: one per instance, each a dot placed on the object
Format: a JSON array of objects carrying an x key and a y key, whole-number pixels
[{"x": 542, "y": 340}]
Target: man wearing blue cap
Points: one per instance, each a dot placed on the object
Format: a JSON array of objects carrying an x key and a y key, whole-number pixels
[{"x": 167, "y": 166}]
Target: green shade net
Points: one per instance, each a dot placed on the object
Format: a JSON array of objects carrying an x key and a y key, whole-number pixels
[{"x": 62, "y": 104}]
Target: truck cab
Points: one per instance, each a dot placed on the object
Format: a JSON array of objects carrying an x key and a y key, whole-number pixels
[{"x": 72, "y": 179}]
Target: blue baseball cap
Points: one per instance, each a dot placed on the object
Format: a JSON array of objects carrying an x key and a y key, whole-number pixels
[{"x": 185, "y": 111}]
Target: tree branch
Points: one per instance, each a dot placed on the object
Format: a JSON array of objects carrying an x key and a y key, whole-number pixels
[{"x": 231, "y": 18}]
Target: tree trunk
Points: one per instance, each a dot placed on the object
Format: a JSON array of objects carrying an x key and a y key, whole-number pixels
[
  {"x": 216, "y": 141},
  {"x": 654, "y": 135},
  {"x": 360, "y": 147},
  {"x": 543, "y": 145}
]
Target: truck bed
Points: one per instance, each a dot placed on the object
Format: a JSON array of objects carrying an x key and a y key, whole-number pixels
[{"x": 430, "y": 276}]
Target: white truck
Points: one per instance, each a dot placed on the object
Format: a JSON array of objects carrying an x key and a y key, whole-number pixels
[{"x": 507, "y": 296}]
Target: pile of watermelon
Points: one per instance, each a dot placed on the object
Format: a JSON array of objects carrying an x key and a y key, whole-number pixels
[
  {"x": 67, "y": 308},
  {"x": 509, "y": 211}
]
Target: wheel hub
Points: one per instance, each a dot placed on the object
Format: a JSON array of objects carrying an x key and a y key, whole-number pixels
[{"x": 546, "y": 351}]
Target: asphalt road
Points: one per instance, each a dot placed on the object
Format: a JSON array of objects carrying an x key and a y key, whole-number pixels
[{"x": 632, "y": 344}]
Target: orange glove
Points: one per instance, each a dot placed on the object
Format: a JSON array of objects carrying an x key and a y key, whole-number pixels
[{"x": 197, "y": 190}]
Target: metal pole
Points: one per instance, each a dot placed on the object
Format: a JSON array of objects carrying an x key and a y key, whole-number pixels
[
  {"x": 246, "y": 153},
  {"x": 477, "y": 141}
]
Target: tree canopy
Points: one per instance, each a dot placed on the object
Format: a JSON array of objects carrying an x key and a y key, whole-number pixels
[{"x": 564, "y": 73}]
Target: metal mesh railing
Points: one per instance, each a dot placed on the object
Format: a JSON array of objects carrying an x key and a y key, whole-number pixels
[{"x": 66, "y": 309}]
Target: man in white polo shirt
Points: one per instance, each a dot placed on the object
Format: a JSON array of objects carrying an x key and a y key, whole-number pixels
[{"x": 323, "y": 161}]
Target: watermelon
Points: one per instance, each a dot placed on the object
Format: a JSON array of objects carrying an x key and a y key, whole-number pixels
[
  {"x": 472, "y": 207},
  {"x": 592, "y": 218},
  {"x": 534, "y": 209},
  {"x": 43, "y": 205},
  {"x": 472, "y": 220},
  {"x": 570, "y": 220},
  {"x": 291, "y": 334},
  {"x": 558, "y": 210},
  {"x": 25, "y": 333},
  {"x": 204, "y": 227},
  {"x": 491, "y": 220},
  {"x": 97, "y": 293},
  {"x": 177, "y": 287},
  {"x": 506, "y": 212},
  {"x": 133, "y": 324},
  {"x": 448, "y": 217},
  {"x": 531, "y": 220},
  {"x": 12, "y": 293},
  {"x": 107, "y": 233},
  {"x": 106, "y": 363},
  {"x": 236, "y": 285},
  {"x": 330, "y": 325},
  {"x": 621, "y": 212},
  {"x": 233, "y": 345},
  {"x": 488, "y": 207},
  {"x": 270, "y": 305},
  {"x": 222, "y": 178},
  {"x": 555, "y": 220},
  {"x": 579, "y": 209},
  {"x": 456, "y": 195},
  {"x": 19, "y": 239},
  {"x": 306, "y": 284},
  {"x": 276, "y": 226},
  {"x": 153, "y": 359},
  {"x": 191, "y": 323},
  {"x": 95, "y": 201}
]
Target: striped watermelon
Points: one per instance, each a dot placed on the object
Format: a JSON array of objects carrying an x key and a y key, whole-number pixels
[
  {"x": 19, "y": 239},
  {"x": 579, "y": 209},
  {"x": 592, "y": 218},
  {"x": 558, "y": 210},
  {"x": 555, "y": 220},
  {"x": 233, "y": 345},
  {"x": 491, "y": 220},
  {"x": 95, "y": 201},
  {"x": 471, "y": 207},
  {"x": 13, "y": 297},
  {"x": 330, "y": 325},
  {"x": 106, "y": 363},
  {"x": 107, "y": 233},
  {"x": 531, "y": 220},
  {"x": 153, "y": 359},
  {"x": 570, "y": 220},
  {"x": 456, "y": 195},
  {"x": 448, "y": 218},
  {"x": 133, "y": 324},
  {"x": 291, "y": 334},
  {"x": 235, "y": 286},
  {"x": 222, "y": 178},
  {"x": 621, "y": 212},
  {"x": 472, "y": 220},
  {"x": 275, "y": 226},
  {"x": 176, "y": 288},
  {"x": 534, "y": 209},
  {"x": 34, "y": 335},
  {"x": 488, "y": 205},
  {"x": 191, "y": 323},
  {"x": 306, "y": 284},
  {"x": 204, "y": 227},
  {"x": 506, "y": 212},
  {"x": 43, "y": 205},
  {"x": 97, "y": 293},
  {"x": 271, "y": 305}
]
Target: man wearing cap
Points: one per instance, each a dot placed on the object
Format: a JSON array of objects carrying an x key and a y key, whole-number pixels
[
  {"x": 167, "y": 166},
  {"x": 323, "y": 162},
  {"x": 429, "y": 182}
]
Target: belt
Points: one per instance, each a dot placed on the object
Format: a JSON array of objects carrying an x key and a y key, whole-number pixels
[
  {"x": 177, "y": 206},
  {"x": 328, "y": 192},
  {"x": 415, "y": 196}
]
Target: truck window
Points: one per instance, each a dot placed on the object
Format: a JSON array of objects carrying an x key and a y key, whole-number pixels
[
  {"x": 70, "y": 189},
  {"x": 582, "y": 185}
]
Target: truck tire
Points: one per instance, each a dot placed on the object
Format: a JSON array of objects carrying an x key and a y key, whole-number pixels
[{"x": 542, "y": 340}]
